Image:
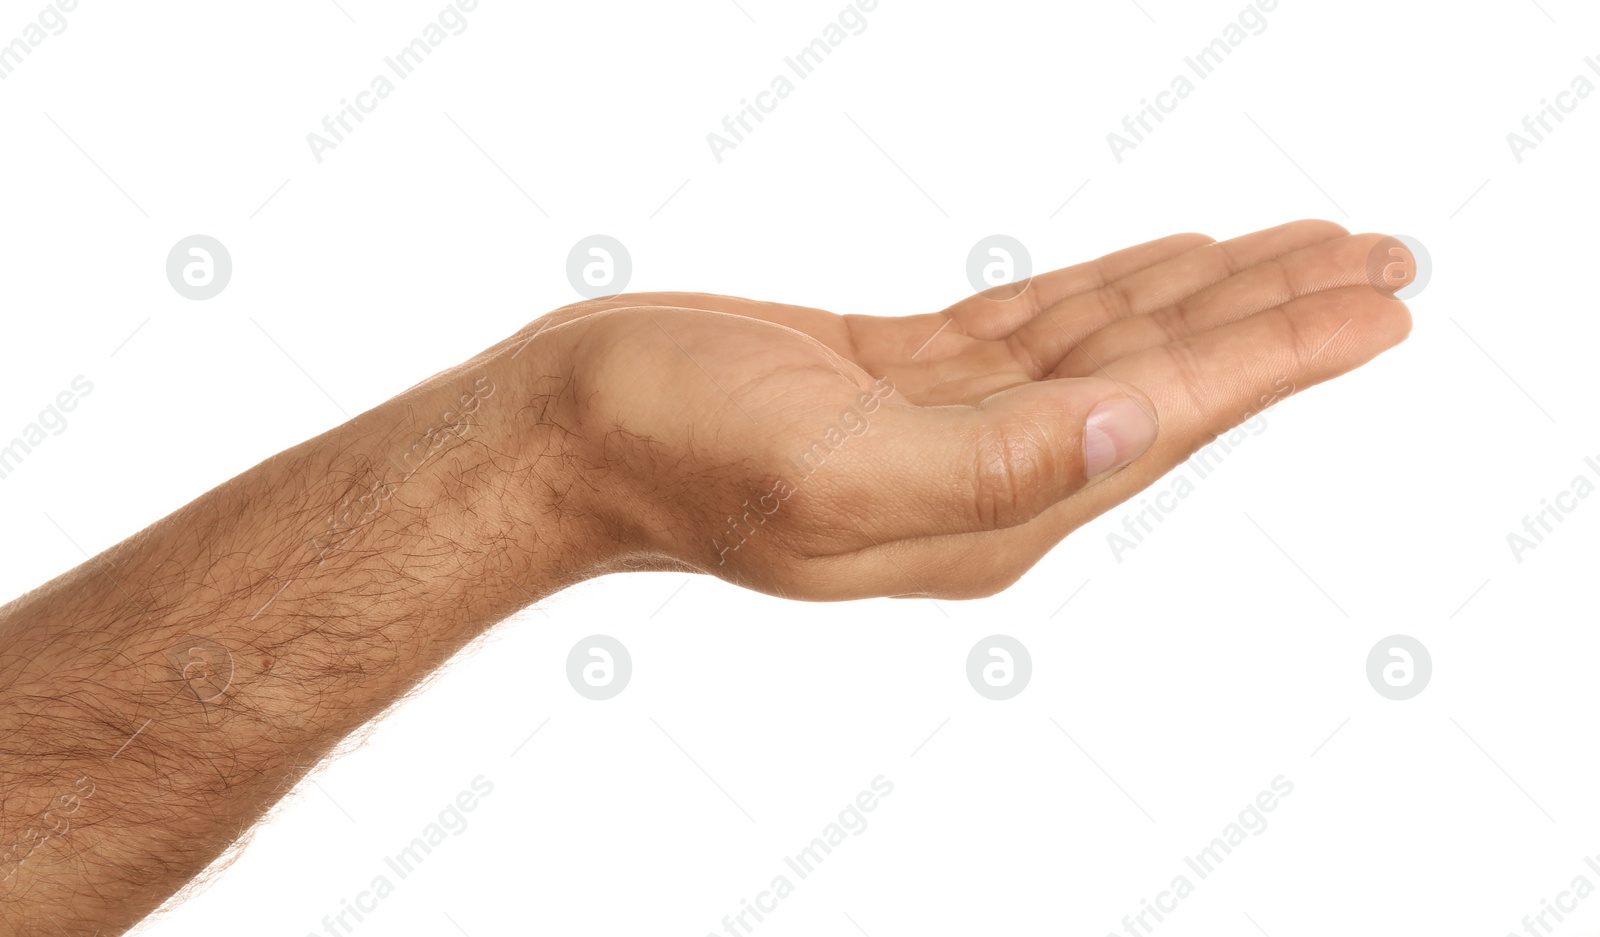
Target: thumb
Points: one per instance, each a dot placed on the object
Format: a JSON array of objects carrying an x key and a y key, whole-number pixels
[{"x": 1006, "y": 460}]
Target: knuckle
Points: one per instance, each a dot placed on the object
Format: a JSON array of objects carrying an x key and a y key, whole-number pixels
[
  {"x": 1190, "y": 372},
  {"x": 1009, "y": 469},
  {"x": 1300, "y": 345},
  {"x": 1116, "y": 300}
]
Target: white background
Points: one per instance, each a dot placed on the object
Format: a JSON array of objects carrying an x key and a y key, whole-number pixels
[{"x": 1226, "y": 650}]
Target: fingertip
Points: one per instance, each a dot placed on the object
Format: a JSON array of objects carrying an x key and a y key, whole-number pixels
[
  {"x": 1396, "y": 265},
  {"x": 1397, "y": 318}
]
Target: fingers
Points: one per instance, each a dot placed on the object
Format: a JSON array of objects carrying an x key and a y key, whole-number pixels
[
  {"x": 1207, "y": 382},
  {"x": 1206, "y": 385},
  {"x": 1045, "y": 341},
  {"x": 998, "y": 312},
  {"x": 945, "y": 470},
  {"x": 1326, "y": 265},
  {"x": 1201, "y": 387}
]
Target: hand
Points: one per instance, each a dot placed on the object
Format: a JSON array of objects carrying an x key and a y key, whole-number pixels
[{"x": 820, "y": 456}]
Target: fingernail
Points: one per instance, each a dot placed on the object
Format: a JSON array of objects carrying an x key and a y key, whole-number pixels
[{"x": 1117, "y": 432}]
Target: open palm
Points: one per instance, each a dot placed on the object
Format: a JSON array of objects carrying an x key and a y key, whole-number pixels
[{"x": 828, "y": 456}]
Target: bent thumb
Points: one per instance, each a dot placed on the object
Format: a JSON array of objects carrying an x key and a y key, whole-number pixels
[{"x": 1022, "y": 450}]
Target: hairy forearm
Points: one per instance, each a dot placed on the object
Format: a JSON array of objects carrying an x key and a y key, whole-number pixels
[{"x": 157, "y": 699}]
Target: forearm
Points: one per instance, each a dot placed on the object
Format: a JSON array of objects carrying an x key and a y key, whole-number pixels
[{"x": 330, "y": 579}]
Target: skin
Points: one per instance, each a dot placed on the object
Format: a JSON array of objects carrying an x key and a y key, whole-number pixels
[{"x": 156, "y": 700}]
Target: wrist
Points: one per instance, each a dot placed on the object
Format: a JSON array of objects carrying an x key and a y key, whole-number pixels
[{"x": 483, "y": 471}]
